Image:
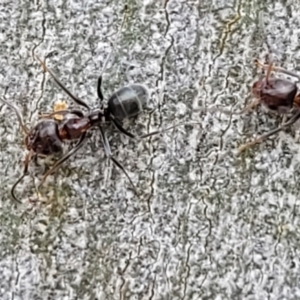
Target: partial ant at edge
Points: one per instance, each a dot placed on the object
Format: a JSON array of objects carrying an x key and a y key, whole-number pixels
[{"x": 276, "y": 94}]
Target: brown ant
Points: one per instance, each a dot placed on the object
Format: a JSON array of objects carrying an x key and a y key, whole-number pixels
[
  {"x": 277, "y": 94},
  {"x": 48, "y": 136}
]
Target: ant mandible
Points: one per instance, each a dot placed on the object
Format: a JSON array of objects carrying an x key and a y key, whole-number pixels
[
  {"x": 277, "y": 94},
  {"x": 47, "y": 137}
]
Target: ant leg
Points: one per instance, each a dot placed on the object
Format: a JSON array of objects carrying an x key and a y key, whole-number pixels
[
  {"x": 277, "y": 69},
  {"x": 121, "y": 129},
  {"x": 109, "y": 155},
  {"x": 76, "y": 112},
  {"x": 65, "y": 157},
  {"x": 270, "y": 133},
  {"x": 250, "y": 106},
  {"x": 164, "y": 130},
  {"x": 127, "y": 133},
  {"x": 59, "y": 83},
  {"x": 25, "y": 172},
  {"x": 269, "y": 70},
  {"x": 99, "y": 91},
  {"x": 124, "y": 131},
  {"x": 116, "y": 40},
  {"x": 19, "y": 116}
]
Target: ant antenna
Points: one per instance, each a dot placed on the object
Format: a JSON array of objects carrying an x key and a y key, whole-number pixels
[
  {"x": 278, "y": 69},
  {"x": 19, "y": 116},
  {"x": 269, "y": 72},
  {"x": 12, "y": 192},
  {"x": 25, "y": 172}
]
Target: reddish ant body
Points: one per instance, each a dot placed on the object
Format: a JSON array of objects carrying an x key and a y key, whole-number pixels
[
  {"x": 48, "y": 136},
  {"x": 277, "y": 94}
]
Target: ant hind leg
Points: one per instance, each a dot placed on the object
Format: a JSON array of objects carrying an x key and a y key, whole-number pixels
[{"x": 115, "y": 161}]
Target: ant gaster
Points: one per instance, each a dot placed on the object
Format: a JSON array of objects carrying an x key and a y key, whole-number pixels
[
  {"x": 277, "y": 94},
  {"x": 48, "y": 135}
]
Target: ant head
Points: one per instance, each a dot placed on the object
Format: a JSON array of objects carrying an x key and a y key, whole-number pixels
[
  {"x": 276, "y": 93},
  {"x": 44, "y": 138},
  {"x": 261, "y": 85}
]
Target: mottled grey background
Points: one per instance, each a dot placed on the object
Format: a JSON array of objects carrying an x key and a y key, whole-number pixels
[{"x": 208, "y": 224}]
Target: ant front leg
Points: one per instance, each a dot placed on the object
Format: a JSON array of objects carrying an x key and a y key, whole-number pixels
[
  {"x": 76, "y": 112},
  {"x": 270, "y": 133},
  {"x": 59, "y": 110},
  {"x": 59, "y": 83},
  {"x": 252, "y": 105}
]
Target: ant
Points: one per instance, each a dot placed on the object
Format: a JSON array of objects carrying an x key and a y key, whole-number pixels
[
  {"x": 48, "y": 135},
  {"x": 278, "y": 95}
]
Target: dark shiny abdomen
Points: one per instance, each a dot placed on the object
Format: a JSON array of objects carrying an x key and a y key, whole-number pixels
[{"x": 128, "y": 101}]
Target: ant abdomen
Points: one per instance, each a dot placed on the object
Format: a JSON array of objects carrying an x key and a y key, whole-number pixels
[
  {"x": 128, "y": 101},
  {"x": 44, "y": 138}
]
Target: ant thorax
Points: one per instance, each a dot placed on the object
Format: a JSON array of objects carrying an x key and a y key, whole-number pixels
[{"x": 98, "y": 116}]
